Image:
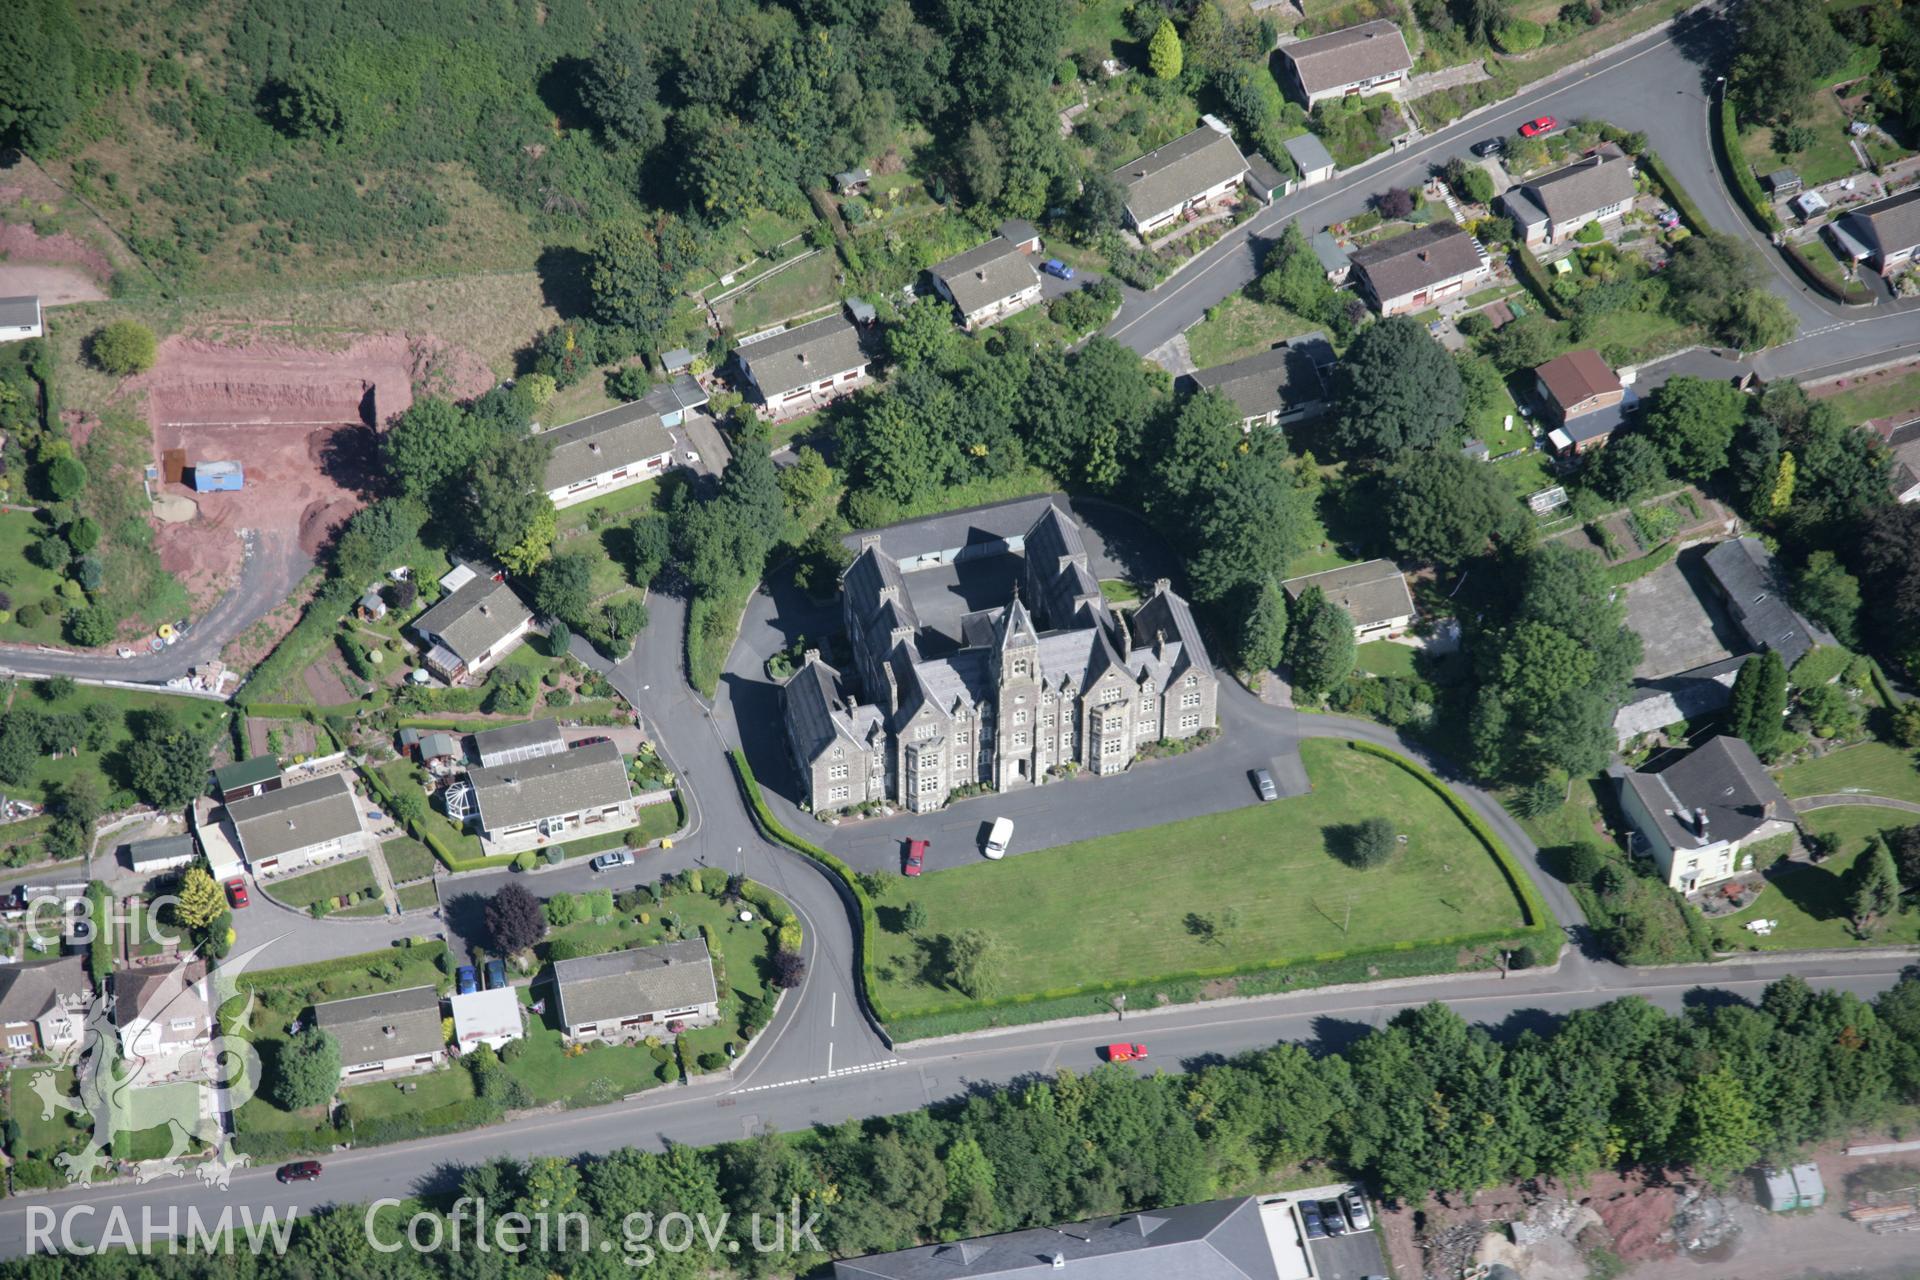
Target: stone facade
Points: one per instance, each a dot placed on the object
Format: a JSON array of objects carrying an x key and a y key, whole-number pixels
[{"x": 1031, "y": 691}]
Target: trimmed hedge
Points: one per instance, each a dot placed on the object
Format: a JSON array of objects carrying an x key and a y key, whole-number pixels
[
  {"x": 1626, "y": 571},
  {"x": 1852, "y": 294},
  {"x": 1746, "y": 188},
  {"x": 100, "y": 947},
  {"x": 1534, "y": 276},
  {"x": 431, "y": 838},
  {"x": 1676, "y": 194},
  {"x": 300, "y": 975}
]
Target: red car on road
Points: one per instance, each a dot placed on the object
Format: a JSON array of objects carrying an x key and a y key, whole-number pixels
[
  {"x": 237, "y": 892},
  {"x": 1125, "y": 1052},
  {"x": 298, "y": 1171},
  {"x": 916, "y": 857},
  {"x": 1538, "y": 125}
]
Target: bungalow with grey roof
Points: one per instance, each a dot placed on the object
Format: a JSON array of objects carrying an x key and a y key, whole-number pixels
[
  {"x": 552, "y": 797},
  {"x": 1416, "y": 270},
  {"x": 1698, "y": 815},
  {"x": 1192, "y": 172},
  {"x": 988, "y": 282},
  {"x": 1373, "y": 593},
  {"x": 804, "y": 367},
  {"x": 387, "y": 1033},
  {"x": 472, "y": 628},
  {"x": 1369, "y": 58},
  {"x": 1554, "y": 206},
  {"x": 1755, "y": 592},
  {"x": 1886, "y": 232},
  {"x": 1275, "y": 388},
  {"x": 605, "y": 452},
  {"x": 291, "y": 829},
  {"x": 623, "y": 995}
]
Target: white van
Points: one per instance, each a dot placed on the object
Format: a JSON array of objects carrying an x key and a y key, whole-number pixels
[{"x": 999, "y": 838}]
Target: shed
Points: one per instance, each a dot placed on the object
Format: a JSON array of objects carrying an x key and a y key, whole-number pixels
[
  {"x": 1777, "y": 1185},
  {"x": 861, "y": 312},
  {"x": 1783, "y": 182},
  {"x": 1810, "y": 204},
  {"x": 217, "y": 477},
  {"x": 162, "y": 853},
  {"x": 1266, "y": 182},
  {"x": 1311, "y": 157},
  {"x": 372, "y": 606},
  {"x": 1807, "y": 1181},
  {"x": 851, "y": 182},
  {"x": 678, "y": 360}
]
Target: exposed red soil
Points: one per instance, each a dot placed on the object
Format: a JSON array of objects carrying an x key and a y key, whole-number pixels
[
  {"x": 80, "y": 425},
  {"x": 325, "y": 684},
  {"x": 20, "y": 243}
]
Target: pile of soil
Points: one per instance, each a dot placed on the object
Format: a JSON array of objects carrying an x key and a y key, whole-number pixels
[{"x": 21, "y": 243}]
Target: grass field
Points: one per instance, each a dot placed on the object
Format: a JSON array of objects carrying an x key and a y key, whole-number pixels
[
  {"x": 381, "y": 1099},
  {"x": 1124, "y": 908},
  {"x": 1384, "y": 658},
  {"x": 1872, "y": 768},
  {"x": 408, "y": 859},
  {"x": 417, "y": 897},
  {"x": 798, "y": 290},
  {"x": 1879, "y": 398},
  {"x": 618, "y": 505},
  {"x": 1827, "y": 159},
  {"x": 200, "y": 713},
  {"x": 353, "y": 876},
  {"x": 1240, "y": 326},
  {"x": 1810, "y": 902},
  {"x": 26, "y": 581}
]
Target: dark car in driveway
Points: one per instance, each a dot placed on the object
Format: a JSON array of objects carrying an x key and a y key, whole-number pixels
[
  {"x": 465, "y": 980},
  {"x": 496, "y": 974},
  {"x": 1310, "y": 1221},
  {"x": 1331, "y": 1214}
]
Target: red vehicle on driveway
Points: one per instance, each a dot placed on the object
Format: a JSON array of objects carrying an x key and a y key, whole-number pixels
[
  {"x": 237, "y": 893},
  {"x": 1126, "y": 1052},
  {"x": 1538, "y": 125},
  {"x": 916, "y": 857}
]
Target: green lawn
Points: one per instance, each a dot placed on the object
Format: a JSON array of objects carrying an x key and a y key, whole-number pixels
[
  {"x": 603, "y": 1073},
  {"x": 1240, "y": 326},
  {"x": 618, "y": 505},
  {"x": 1121, "y": 909},
  {"x": 1810, "y": 902},
  {"x": 1821, "y": 259},
  {"x": 399, "y": 774},
  {"x": 1119, "y": 591},
  {"x": 408, "y": 859},
  {"x": 418, "y": 897},
  {"x": 26, "y": 581},
  {"x": 200, "y": 713},
  {"x": 1878, "y": 398},
  {"x": 383, "y": 1099},
  {"x": 792, "y": 294},
  {"x": 1829, "y": 157},
  {"x": 39, "y": 1136},
  {"x": 1527, "y": 474},
  {"x": 1871, "y": 768},
  {"x": 155, "y": 1106},
  {"x": 1384, "y": 658},
  {"x": 353, "y": 876}
]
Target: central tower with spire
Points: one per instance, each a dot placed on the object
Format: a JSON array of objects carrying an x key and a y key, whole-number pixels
[{"x": 1016, "y": 680}]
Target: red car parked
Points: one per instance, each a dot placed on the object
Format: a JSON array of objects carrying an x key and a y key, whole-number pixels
[
  {"x": 916, "y": 857},
  {"x": 1125, "y": 1052},
  {"x": 1538, "y": 125},
  {"x": 237, "y": 892}
]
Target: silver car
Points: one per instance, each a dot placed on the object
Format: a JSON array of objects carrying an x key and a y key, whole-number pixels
[
  {"x": 1356, "y": 1207},
  {"x": 1263, "y": 783}
]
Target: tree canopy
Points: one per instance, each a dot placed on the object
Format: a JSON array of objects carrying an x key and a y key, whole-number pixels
[{"x": 1396, "y": 389}]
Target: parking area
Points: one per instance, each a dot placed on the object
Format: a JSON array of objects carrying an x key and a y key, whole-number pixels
[
  {"x": 1680, "y": 623},
  {"x": 1353, "y": 1253}
]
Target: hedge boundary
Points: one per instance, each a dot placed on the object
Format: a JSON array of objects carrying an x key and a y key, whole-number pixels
[
  {"x": 1534, "y": 275},
  {"x": 301, "y": 974},
  {"x": 1746, "y": 187},
  {"x": 1676, "y": 194},
  {"x": 1626, "y": 571},
  {"x": 1854, "y": 294}
]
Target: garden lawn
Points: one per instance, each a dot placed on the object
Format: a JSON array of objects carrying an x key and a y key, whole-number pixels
[
  {"x": 207, "y": 716},
  {"x": 37, "y": 1136},
  {"x": 1240, "y": 326},
  {"x": 791, "y": 294},
  {"x": 1118, "y": 909},
  {"x": 603, "y": 1073},
  {"x": 417, "y": 897},
  {"x": 1829, "y": 157},
  {"x": 618, "y": 505},
  {"x": 1527, "y": 474},
  {"x": 1810, "y": 902},
  {"x": 1384, "y": 658},
  {"x": 26, "y": 581},
  {"x": 384, "y": 1099},
  {"x": 399, "y": 774},
  {"x": 407, "y": 859},
  {"x": 1880, "y": 398},
  {"x": 354, "y": 876},
  {"x": 1871, "y": 768}
]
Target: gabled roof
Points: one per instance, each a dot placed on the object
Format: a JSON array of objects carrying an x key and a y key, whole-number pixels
[
  {"x": 515, "y": 737},
  {"x": 142, "y": 853},
  {"x": 811, "y": 352},
  {"x": 294, "y": 817},
  {"x": 1328, "y": 250},
  {"x": 15, "y": 312},
  {"x": 1276, "y": 380},
  {"x": 29, "y": 990},
  {"x": 475, "y": 618},
  {"x": 246, "y": 773},
  {"x": 957, "y": 680},
  {"x": 959, "y": 532},
  {"x": 819, "y": 710},
  {"x": 1166, "y": 619},
  {"x": 622, "y": 984},
  {"x": 1592, "y": 182},
  {"x": 1344, "y": 57},
  {"x": 1218, "y": 1240},
  {"x": 386, "y": 1024},
  {"x": 1757, "y": 598},
  {"x": 1890, "y": 225},
  {"x": 1721, "y": 783},
  {"x": 1521, "y": 207},
  {"x": 873, "y": 580},
  {"x": 510, "y": 795},
  {"x": 985, "y": 274},
  {"x": 1576, "y": 376},
  {"x": 1372, "y": 593},
  {"x": 1420, "y": 259},
  {"x": 622, "y": 436},
  {"x": 160, "y": 994},
  {"x": 1169, "y": 176}
]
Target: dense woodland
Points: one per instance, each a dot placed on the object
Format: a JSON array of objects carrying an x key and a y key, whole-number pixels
[{"x": 1426, "y": 1104}]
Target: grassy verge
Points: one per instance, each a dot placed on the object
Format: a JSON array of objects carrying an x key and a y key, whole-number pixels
[
  {"x": 347, "y": 878},
  {"x": 1239, "y": 326},
  {"x": 713, "y": 622}
]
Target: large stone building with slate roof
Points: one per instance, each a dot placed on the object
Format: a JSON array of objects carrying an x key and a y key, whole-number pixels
[
  {"x": 620, "y": 995},
  {"x": 1217, "y": 1240},
  {"x": 605, "y": 452},
  {"x": 1053, "y": 679},
  {"x": 386, "y": 1033},
  {"x": 1191, "y": 172},
  {"x": 1698, "y": 815}
]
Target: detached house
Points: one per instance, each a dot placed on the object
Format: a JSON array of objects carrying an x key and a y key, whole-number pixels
[
  {"x": 1553, "y": 206},
  {"x": 1374, "y": 594},
  {"x": 1584, "y": 400},
  {"x": 1369, "y": 58},
  {"x": 1697, "y": 815},
  {"x": 1424, "y": 266},
  {"x": 988, "y": 282},
  {"x": 1276, "y": 388},
  {"x": 291, "y": 829},
  {"x": 384, "y": 1034},
  {"x": 162, "y": 1011},
  {"x": 607, "y": 451},
  {"x": 1885, "y": 233},
  {"x": 1191, "y": 172},
  {"x": 43, "y": 1007},
  {"x": 20, "y": 319},
  {"x": 555, "y": 796},
  {"x": 625, "y": 994},
  {"x": 804, "y": 367},
  {"x": 472, "y": 628}
]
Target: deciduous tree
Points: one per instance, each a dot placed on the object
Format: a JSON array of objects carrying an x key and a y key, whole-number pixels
[
  {"x": 514, "y": 919},
  {"x": 1397, "y": 389}
]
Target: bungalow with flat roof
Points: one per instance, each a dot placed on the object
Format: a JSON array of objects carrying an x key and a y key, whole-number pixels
[
  {"x": 1373, "y": 593},
  {"x": 1887, "y": 231},
  {"x": 1755, "y": 592},
  {"x": 1416, "y": 270},
  {"x": 43, "y": 1007},
  {"x": 555, "y": 796},
  {"x": 1276, "y": 388},
  {"x": 163, "y": 853},
  {"x": 1550, "y": 208},
  {"x": 162, "y": 1010},
  {"x": 514, "y": 742},
  {"x": 254, "y": 776},
  {"x": 606, "y": 451},
  {"x": 491, "y": 1018},
  {"x": 1369, "y": 58},
  {"x": 1584, "y": 400},
  {"x": 1311, "y": 158},
  {"x": 988, "y": 282},
  {"x": 1191, "y": 172},
  {"x": 806, "y": 366},
  {"x": 1696, "y": 816},
  {"x": 627, "y": 994},
  {"x": 20, "y": 319},
  {"x": 472, "y": 628},
  {"x": 291, "y": 829},
  {"x": 387, "y": 1033}
]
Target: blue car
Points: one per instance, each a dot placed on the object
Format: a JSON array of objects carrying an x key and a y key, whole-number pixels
[
  {"x": 496, "y": 974},
  {"x": 465, "y": 980},
  {"x": 1057, "y": 268}
]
